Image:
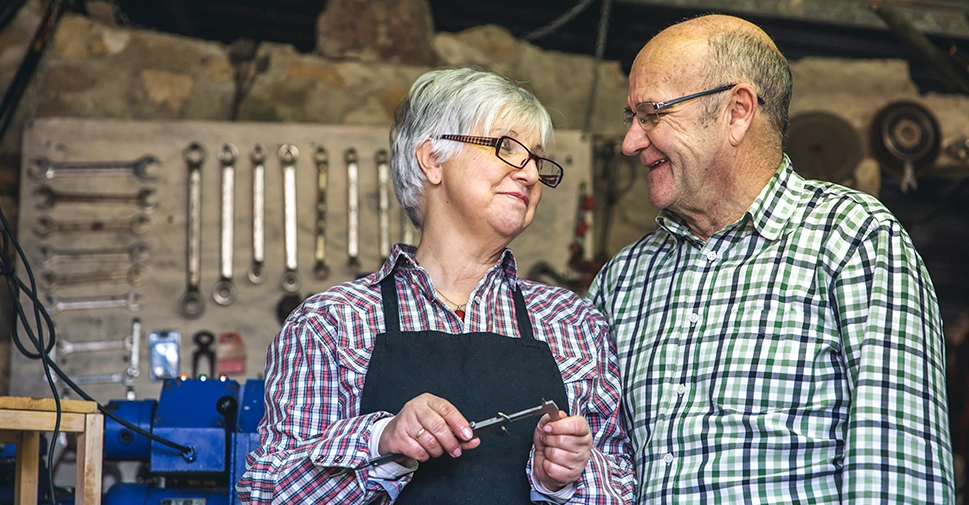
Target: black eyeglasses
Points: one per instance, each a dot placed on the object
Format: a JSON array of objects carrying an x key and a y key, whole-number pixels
[
  {"x": 515, "y": 154},
  {"x": 649, "y": 112}
]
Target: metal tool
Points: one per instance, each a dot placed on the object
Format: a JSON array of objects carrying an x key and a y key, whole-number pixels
[
  {"x": 163, "y": 352},
  {"x": 406, "y": 228},
  {"x": 203, "y": 349},
  {"x": 129, "y": 301},
  {"x": 54, "y": 280},
  {"x": 257, "y": 272},
  {"x": 136, "y": 253},
  {"x": 49, "y": 198},
  {"x": 134, "y": 370},
  {"x": 191, "y": 304},
  {"x": 320, "y": 269},
  {"x": 353, "y": 208},
  {"x": 47, "y": 226},
  {"x": 41, "y": 168},
  {"x": 496, "y": 424},
  {"x": 288, "y": 156},
  {"x": 383, "y": 205},
  {"x": 64, "y": 347},
  {"x": 224, "y": 291}
]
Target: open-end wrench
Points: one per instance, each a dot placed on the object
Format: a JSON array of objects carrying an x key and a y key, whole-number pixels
[
  {"x": 113, "y": 378},
  {"x": 135, "y": 253},
  {"x": 257, "y": 272},
  {"x": 224, "y": 291},
  {"x": 47, "y": 226},
  {"x": 383, "y": 203},
  {"x": 353, "y": 209},
  {"x": 320, "y": 269},
  {"x": 288, "y": 156},
  {"x": 129, "y": 301},
  {"x": 43, "y": 168},
  {"x": 191, "y": 305},
  {"x": 64, "y": 347},
  {"x": 53, "y": 280},
  {"x": 48, "y": 198}
]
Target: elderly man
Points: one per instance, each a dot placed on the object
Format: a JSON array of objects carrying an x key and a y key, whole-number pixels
[{"x": 779, "y": 339}]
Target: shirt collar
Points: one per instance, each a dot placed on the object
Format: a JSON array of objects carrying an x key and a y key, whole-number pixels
[
  {"x": 769, "y": 214},
  {"x": 402, "y": 255}
]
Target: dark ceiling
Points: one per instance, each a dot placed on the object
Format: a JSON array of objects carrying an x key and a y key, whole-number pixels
[{"x": 630, "y": 26}]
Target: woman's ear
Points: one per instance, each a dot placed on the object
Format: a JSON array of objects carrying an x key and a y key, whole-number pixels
[{"x": 428, "y": 162}]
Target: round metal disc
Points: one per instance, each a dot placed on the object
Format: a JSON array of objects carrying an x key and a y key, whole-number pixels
[
  {"x": 905, "y": 132},
  {"x": 823, "y": 146}
]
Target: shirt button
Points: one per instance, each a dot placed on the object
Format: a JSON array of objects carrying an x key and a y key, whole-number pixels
[
  {"x": 694, "y": 317},
  {"x": 668, "y": 458},
  {"x": 338, "y": 458},
  {"x": 711, "y": 256},
  {"x": 680, "y": 389}
]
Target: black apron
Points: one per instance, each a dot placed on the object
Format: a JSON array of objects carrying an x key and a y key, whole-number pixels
[{"x": 480, "y": 374}]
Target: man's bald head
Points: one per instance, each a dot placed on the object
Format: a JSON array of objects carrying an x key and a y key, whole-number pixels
[{"x": 717, "y": 50}]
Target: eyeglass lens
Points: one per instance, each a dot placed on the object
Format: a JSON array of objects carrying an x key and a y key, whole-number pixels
[{"x": 516, "y": 154}]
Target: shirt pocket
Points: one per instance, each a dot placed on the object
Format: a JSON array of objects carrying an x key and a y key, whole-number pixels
[
  {"x": 768, "y": 361},
  {"x": 352, "y": 364}
]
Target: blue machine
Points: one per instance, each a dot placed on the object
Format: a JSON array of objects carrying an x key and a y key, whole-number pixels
[{"x": 215, "y": 418}]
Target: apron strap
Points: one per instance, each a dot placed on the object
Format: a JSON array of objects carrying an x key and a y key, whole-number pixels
[
  {"x": 524, "y": 323},
  {"x": 388, "y": 290}
]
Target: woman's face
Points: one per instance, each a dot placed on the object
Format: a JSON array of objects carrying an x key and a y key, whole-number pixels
[{"x": 489, "y": 196}]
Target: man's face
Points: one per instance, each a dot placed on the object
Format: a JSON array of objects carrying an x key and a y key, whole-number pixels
[{"x": 680, "y": 148}]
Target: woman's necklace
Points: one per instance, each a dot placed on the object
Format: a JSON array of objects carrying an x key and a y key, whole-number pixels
[{"x": 458, "y": 307}]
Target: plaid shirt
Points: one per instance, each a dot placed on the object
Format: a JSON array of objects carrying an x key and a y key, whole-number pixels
[
  {"x": 794, "y": 357},
  {"x": 317, "y": 364}
]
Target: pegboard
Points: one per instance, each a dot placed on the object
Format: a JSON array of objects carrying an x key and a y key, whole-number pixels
[{"x": 163, "y": 278}]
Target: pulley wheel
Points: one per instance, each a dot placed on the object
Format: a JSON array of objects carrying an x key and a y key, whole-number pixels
[
  {"x": 823, "y": 146},
  {"x": 905, "y": 134}
]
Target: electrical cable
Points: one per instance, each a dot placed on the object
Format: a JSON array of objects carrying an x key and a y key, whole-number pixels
[
  {"x": 43, "y": 323},
  {"x": 558, "y": 22}
]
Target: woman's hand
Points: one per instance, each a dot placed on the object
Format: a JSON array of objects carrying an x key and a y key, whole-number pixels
[
  {"x": 427, "y": 427},
  {"x": 562, "y": 449}
]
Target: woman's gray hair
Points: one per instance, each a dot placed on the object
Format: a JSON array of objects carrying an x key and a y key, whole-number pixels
[{"x": 458, "y": 102}]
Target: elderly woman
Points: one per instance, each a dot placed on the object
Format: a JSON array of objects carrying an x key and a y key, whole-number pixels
[{"x": 397, "y": 364}]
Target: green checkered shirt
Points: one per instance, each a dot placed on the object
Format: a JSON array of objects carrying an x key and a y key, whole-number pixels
[{"x": 794, "y": 357}]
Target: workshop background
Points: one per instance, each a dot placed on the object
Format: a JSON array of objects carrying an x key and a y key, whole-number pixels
[{"x": 881, "y": 103}]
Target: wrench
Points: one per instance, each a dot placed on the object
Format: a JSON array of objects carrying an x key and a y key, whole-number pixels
[
  {"x": 129, "y": 300},
  {"x": 113, "y": 378},
  {"x": 133, "y": 370},
  {"x": 257, "y": 273},
  {"x": 47, "y": 225},
  {"x": 353, "y": 215},
  {"x": 288, "y": 156},
  {"x": 191, "y": 305},
  {"x": 383, "y": 207},
  {"x": 49, "y": 198},
  {"x": 53, "y": 280},
  {"x": 136, "y": 253},
  {"x": 64, "y": 347},
  {"x": 406, "y": 228},
  {"x": 320, "y": 270},
  {"x": 224, "y": 291},
  {"x": 43, "y": 168}
]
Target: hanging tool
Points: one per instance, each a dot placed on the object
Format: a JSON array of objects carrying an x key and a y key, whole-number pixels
[
  {"x": 320, "y": 269},
  {"x": 288, "y": 156},
  {"x": 353, "y": 213},
  {"x": 257, "y": 272},
  {"x": 383, "y": 205},
  {"x": 224, "y": 291},
  {"x": 496, "y": 424},
  {"x": 203, "y": 350},
  {"x": 191, "y": 304}
]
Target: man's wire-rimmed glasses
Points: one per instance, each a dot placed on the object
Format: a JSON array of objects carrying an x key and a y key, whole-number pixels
[
  {"x": 649, "y": 112},
  {"x": 515, "y": 154}
]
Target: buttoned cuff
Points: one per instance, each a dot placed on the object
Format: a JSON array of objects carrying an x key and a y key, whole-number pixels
[{"x": 391, "y": 470}]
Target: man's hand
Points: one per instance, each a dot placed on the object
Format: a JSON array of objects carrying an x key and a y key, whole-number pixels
[
  {"x": 562, "y": 450},
  {"x": 427, "y": 427}
]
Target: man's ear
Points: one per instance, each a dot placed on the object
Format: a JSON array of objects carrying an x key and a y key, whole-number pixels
[
  {"x": 428, "y": 162},
  {"x": 742, "y": 105}
]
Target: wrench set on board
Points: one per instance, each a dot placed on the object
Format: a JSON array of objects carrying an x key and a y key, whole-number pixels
[{"x": 212, "y": 231}]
